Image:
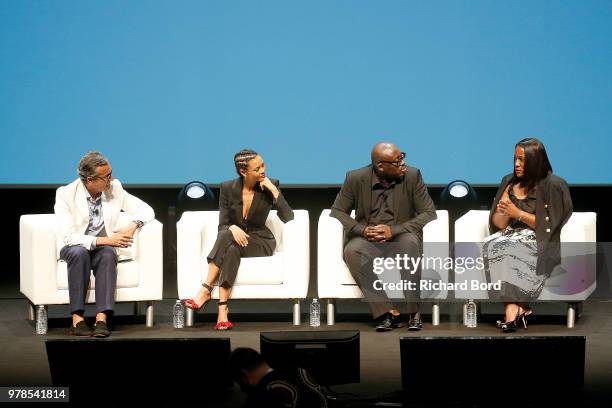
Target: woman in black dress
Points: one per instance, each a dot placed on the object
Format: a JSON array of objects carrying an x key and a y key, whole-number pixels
[
  {"x": 244, "y": 205},
  {"x": 530, "y": 208}
]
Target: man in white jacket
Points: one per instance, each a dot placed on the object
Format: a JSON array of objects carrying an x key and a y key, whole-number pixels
[{"x": 89, "y": 238}]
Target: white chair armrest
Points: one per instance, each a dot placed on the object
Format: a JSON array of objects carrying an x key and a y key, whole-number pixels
[
  {"x": 581, "y": 227},
  {"x": 470, "y": 230},
  {"x": 37, "y": 256},
  {"x": 296, "y": 255},
  {"x": 435, "y": 246},
  {"x": 473, "y": 226},
  {"x": 437, "y": 230},
  {"x": 330, "y": 247},
  {"x": 149, "y": 255},
  {"x": 192, "y": 232}
]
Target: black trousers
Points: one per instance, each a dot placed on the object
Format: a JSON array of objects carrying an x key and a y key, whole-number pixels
[
  {"x": 359, "y": 254},
  {"x": 81, "y": 262},
  {"x": 226, "y": 254}
]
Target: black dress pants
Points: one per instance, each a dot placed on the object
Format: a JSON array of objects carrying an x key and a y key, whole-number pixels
[
  {"x": 226, "y": 254},
  {"x": 359, "y": 254}
]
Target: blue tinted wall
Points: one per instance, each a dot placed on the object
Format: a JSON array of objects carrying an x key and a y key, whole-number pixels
[{"x": 170, "y": 90}]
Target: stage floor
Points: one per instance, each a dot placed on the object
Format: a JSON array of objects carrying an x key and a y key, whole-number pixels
[{"x": 23, "y": 359}]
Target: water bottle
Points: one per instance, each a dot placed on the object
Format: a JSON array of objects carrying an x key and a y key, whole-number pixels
[
  {"x": 178, "y": 315},
  {"x": 41, "y": 319},
  {"x": 470, "y": 320},
  {"x": 315, "y": 313}
]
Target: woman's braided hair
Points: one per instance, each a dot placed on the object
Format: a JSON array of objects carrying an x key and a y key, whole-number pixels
[{"x": 242, "y": 158}]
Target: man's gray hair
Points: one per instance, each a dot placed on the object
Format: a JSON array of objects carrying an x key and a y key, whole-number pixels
[{"x": 89, "y": 163}]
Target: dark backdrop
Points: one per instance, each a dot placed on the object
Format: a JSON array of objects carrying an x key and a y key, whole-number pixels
[{"x": 18, "y": 200}]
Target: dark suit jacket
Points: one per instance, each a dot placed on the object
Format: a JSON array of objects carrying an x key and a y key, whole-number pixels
[
  {"x": 553, "y": 209},
  {"x": 412, "y": 205},
  {"x": 230, "y": 210}
]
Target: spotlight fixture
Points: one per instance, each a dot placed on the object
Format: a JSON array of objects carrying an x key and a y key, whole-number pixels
[
  {"x": 195, "y": 196},
  {"x": 457, "y": 194}
]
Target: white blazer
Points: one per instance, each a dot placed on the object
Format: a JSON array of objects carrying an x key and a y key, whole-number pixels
[{"x": 72, "y": 213}]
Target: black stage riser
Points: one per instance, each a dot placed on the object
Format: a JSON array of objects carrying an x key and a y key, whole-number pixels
[
  {"x": 154, "y": 370},
  {"x": 492, "y": 365}
]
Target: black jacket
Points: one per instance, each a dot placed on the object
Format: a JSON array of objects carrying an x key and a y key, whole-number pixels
[
  {"x": 553, "y": 209},
  {"x": 412, "y": 205},
  {"x": 230, "y": 210}
]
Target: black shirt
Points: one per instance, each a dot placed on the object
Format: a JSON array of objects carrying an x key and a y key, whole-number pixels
[
  {"x": 527, "y": 204},
  {"x": 382, "y": 202}
]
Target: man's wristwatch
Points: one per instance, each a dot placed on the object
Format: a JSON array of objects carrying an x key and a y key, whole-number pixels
[{"x": 139, "y": 224}]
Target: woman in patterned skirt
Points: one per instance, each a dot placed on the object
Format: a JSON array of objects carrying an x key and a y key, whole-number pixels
[{"x": 530, "y": 208}]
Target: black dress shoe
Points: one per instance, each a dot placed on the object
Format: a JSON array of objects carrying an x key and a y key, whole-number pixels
[
  {"x": 81, "y": 329},
  {"x": 101, "y": 329},
  {"x": 415, "y": 323},
  {"x": 389, "y": 322}
]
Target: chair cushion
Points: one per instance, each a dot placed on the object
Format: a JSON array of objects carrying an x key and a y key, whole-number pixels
[
  {"x": 127, "y": 275},
  {"x": 126, "y": 254},
  {"x": 262, "y": 270}
]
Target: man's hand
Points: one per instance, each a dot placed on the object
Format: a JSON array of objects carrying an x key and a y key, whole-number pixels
[
  {"x": 371, "y": 233},
  {"x": 239, "y": 235},
  {"x": 117, "y": 239},
  {"x": 377, "y": 233},
  {"x": 268, "y": 185},
  {"x": 384, "y": 232},
  {"x": 128, "y": 229}
]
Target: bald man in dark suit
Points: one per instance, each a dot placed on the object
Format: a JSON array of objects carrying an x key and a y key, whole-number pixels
[{"x": 391, "y": 205}]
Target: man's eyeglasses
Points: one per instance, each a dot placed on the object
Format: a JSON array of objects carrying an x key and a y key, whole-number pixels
[
  {"x": 397, "y": 162},
  {"x": 105, "y": 178}
]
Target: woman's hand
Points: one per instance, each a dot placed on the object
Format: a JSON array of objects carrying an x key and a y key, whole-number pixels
[
  {"x": 268, "y": 185},
  {"x": 239, "y": 235},
  {"x": 507, "y": 208}
]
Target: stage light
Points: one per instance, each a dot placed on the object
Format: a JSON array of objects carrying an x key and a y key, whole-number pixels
[
  {"x": 195, "y": 191},
  {"x": 195, "y": 196},
  {"x": 458, "y": 191}
]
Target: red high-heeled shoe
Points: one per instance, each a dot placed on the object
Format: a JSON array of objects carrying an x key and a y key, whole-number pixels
[
  {"x": 224, "y": 325},
  {"x": 191, "y": 304}
]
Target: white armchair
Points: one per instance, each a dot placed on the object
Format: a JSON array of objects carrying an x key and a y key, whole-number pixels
[
  {"x": 284, "y": 275},
  {"x": 335, "y": 281},
  {"x": 44, "y": 278},
  {"x": 577, "y": 259}
]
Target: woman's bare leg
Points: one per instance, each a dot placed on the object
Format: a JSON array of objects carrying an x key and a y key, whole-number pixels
[
  {"x": 204, "y": 294},
  {"x": 224, "y": 293},
  {"x": 512, "y": 310}
]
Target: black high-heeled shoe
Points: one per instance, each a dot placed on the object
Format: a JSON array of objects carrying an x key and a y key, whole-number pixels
[
  {"x": 528, "y": 312},
  {"x": 524, "y": 317},
  {"x": 511, "y": 326}
]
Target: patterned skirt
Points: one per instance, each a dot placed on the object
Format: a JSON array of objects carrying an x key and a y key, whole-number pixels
[{"x": 510, "y": 256}]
